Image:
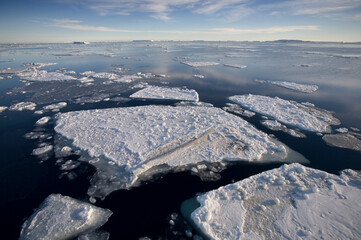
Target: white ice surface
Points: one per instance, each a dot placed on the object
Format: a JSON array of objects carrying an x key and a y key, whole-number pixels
[
  {"x": 43, "y": 120},
  {"x": 61, "y": 217},
  {"x": 23, "y": 106},
  {"x": 200, "y": 64},
  {"x": 126, "y": 142},
  {"x": 38, "y": 65},
  {"x": 55, "y": 106},
  {"x": 32, "y": 74},
  {"x": 235, "y": 65},
  {"x": 2, "y": 108},
  {"x": 42, "y": 150},
  {"x": 288, "y": 112},
  {"x": 295, "y": 86},
  {"x": 290, "y": 202},
  {"x": 198, "y": 76},
  {"x": 154, "y": 92}
]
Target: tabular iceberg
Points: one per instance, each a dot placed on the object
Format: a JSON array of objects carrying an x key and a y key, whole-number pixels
[
  {"x": 290, "y": 202},
  {"x": 128, "y": 143}
]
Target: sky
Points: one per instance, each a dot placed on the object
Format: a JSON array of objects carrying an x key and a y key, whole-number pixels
[{"x": 215, "y": 20}]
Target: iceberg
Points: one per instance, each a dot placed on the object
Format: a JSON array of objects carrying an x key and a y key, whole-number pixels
[
  {"x": 200, "y": 64},
  {"x": 23, "y": 106},
  {"x": 130, "y": 144},
  {"x": 290, "y": 202},
  {"x": 61, "y": 217},
  {"x": 154, "y": 92},
  {"x": 288, "y": 112}
]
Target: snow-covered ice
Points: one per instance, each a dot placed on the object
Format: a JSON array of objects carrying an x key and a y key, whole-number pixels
[
  {"x": 61, "y": 217},
  {"x": 290, "y": 202},
  {"x": 38, "y": 65},
  {"x": 154, "y": 92},
  {"x": 55, "y": 106},
  {"x": 43, "y": 76},
  {"x": 235, "y": 65},
  {"x": 23, "y": 106},
  {"x": 126, "y": 144},
  {"x": 200, "y": 64},
  {"x": 235, "y": 108},
  {"x": 343, "y": 140},
  {"x": 277, "y": 126},
  {"x": 306, "y": 88},
  {"x": 42, "y": 150},
  {"x": 43, "y": 120},
  {"x": 3, "y": 108},
  {"x": 198, "y": 76},
  {"x": 288, "y": 112},
  {"x": 342, "y": 130}
]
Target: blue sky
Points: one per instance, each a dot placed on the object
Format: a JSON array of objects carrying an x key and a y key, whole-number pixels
[{"x": 119, "y": 20}]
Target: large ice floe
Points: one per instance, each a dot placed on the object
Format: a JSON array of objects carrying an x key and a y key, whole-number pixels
[
  {"x": 32, "y": 74},
  {"x": 154, "y": 92},
  {"x": 61, "y": 217},
  {"x": 290, "y": 202},
  {"x": 130, "y": 144},
  {"x": 306, "y": 88},
  {"x": 288, "y": 112},
  {"x": 23, "y": 106},
  {"x": 200, "y": 64}
]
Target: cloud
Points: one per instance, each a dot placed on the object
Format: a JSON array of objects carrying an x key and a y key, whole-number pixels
[
  {"x": 271, "y": 30},
  {"x": 75, "y": 25}
]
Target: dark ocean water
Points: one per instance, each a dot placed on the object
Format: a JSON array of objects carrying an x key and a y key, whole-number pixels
[{"x": 26, "y": 180}]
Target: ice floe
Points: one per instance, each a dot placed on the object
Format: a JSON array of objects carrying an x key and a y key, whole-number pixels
[
  {"x": 288, "y": 112},
  {"x": 198, "y": 76},
  {"x": 306, "y": 88},
  {"x": 235, "y": 108},
  {"x": 342, "y": 130},
  {"x": 200, "y": 64},
  {"x": 43, "y": 76},
  {"x": 61, "y": 217},
  {"x": 38, "y": 65},
  {"x": 3, "y": 108},
  {"x": 343, "y": 141},
  {"x": 235, "y": 65},
  {"x": 42, "y": 150},
  {"x": 23, "y": 106},
  {"x": 277, "y": 126},
  {"x": 290, "y": 202},
  {"x": 128, "y": 144},
  {"x": 43, "y": 120},
  {"x": 154, "y": 92},
  {"x": 55, "y": 106}
]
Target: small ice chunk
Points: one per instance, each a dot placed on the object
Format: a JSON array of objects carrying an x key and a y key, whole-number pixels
[
  {"x": 42, "y": 150},
  {"x": 198, "y": 76},
  {"x": 2, "y": 108},
  {"x": 23, "y": 106},
  {"x": 43, "y": 120},
  {"x": 38, "y": 65},
  {"x": 153, "y": 92},
  {"x": 62, "y": 217},
  {"x": 200, "y": 64},
  {"x": 55, "y": 106},
  {"x": 343, "y": 141},
  {"x": 127, "y": 78},
  {"x": 272, "y": 124},
  {"x": 342, "y": 130}
]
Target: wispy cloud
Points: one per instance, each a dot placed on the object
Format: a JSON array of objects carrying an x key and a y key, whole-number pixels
[
  {"x": 75, "y": 25},
  {"x": 271, "y": 30}
]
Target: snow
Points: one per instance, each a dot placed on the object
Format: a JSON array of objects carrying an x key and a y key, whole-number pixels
[
  {"x": 342, "y": 130},
  {"x": 112, "y": 76},
  {"x": 306, "y": 88},
  {"x": 43, "y": 76},
  {"x": 343, "y": 141},
  {"x": 290, "y": 202},
  {"x": 200, "y": 64},
  {"x": 62, "y": 217},
  {"x": 23, "y": 106},
  {"x": 154, "y": 92},
  {"x": 235, "y": 108},
  {"x": 235, "y": 65},
  {"x": 43, "y": 121},
  {"x": 2, "y": 108},
  {"x": 55, "y": 106},
  {"x": 127, "y": 78},
  {"x": 288, "y": 112},
  {"x": 125, "y": 143}
]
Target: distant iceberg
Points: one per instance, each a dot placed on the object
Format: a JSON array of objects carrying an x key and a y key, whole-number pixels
[
  {"x": 61, "y": 217},
  {"x": 288, "y": 112},
  {"x": 128, "y": 144},
  {"x": 154, "y": 92},
  {"x": 290, "y": 202}
]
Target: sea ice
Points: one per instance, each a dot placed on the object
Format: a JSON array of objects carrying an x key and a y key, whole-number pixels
[
  {"x": 198, "y": 76},
  {"x": 343, "y": 141},
  {"x": 2, "y": 108},
  {"x": 43, "y": 76},
  {"x": 23, "y": 106},
  {"x": 42, "y": 150},
  {"x": 306, "y": 88},
  {"x": 290, "y": 202},
  {"x": 128, "y": 144},
  {"x": 200, "y": 64},
  {"x": 235, "y": 108},
  {"x": 43, "y": 120},
  {"x": 38, "y": 65},
  {"x": 342, "y": 130},
  {"x": 288, "y": 112},
  {"x": 127, "y": 78},
  {"x": 55, "y": 106},
  {"x": 61, "y": 217},
  {"x": 235, "y": 65},
  {"x": 154, "y": 92}
]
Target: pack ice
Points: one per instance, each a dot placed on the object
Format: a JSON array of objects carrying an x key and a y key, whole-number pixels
[
  {"x": 154, "y": 92},
  {"x": 200, "y": 64},
  {"x": 288, "y": 112},
  {"x": 306, "y": 88},
  {"x": 130, "y": 143},
  {"x": 290, "y": 202},
  {"x": 61, "y": 217}
]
